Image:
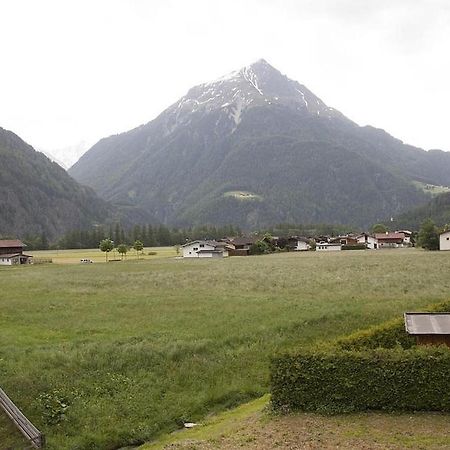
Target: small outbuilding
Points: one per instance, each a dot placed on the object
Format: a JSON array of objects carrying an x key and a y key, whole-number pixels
[{"x": 429, "y": 328}]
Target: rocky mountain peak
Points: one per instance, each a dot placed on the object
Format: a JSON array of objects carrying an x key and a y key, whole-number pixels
[{"x": 256, "y": 85}]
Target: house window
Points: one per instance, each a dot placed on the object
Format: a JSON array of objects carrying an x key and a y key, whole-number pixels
[
  {"x": 448, "y": 239},
  {"x": 202, "y": 245}
]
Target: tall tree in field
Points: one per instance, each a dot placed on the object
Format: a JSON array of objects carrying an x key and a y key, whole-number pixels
[
  {"x": 106, "y": 245},
  {"x": 122, "y": 249},
  {"x": 138, "y": 246},
  {"x": 428, "y": 237}
]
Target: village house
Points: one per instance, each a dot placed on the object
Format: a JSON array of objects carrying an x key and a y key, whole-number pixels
[
  {"x": 344, "y": 240},
  {"x": 408, "y": 235},
  {"x": 390, "y": 240},
  {"x": 371, "y": 242},
  {"x": 239, "y": 246},
  {"x": 298, "y": 244},
  {"x": 444, "y": 240},
  {"x": 205, "y": 249},
  {"x": 429, "y": 328},
  {"x": 11, "y": 253},
  {"x": 328, "y": 247}
]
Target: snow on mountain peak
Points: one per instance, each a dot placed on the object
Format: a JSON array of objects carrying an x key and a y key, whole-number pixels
[{"x": 258, "y": 84}]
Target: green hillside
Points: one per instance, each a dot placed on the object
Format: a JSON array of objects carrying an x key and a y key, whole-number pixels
[{"x": 38, "y": 196}]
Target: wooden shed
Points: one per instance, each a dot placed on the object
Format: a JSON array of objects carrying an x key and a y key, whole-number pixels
[{"x": 429, "y": 328}]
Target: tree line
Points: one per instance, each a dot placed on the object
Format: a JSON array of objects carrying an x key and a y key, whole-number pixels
[{"x": 150, "y": 236}]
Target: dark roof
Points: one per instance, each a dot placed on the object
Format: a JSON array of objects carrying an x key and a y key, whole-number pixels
[
  {"x": 427, "y": 323},
  {"x": 243, "y": 241},
  {"x": 6, "y": 243},
  {"x": 202, "y": 241}
]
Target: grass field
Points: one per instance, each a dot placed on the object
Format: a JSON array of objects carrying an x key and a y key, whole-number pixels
[
  {"x": 104, "y": 355},
  {"x": 95, "y": 255}
]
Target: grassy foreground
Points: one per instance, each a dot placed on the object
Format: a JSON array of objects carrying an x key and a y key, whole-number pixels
[
  {"x": 104, "y": 355},
  {"x": 252, "y": 427}
]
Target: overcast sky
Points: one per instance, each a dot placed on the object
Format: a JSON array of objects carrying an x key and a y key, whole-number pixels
[{"x": 73, "y": 72}]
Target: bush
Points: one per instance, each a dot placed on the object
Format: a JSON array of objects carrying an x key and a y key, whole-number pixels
[
  {"x": 354, "y": 247},
  {"x": 345, "y": 381},
  {"x": 152, "y": 253},
  {"x": 378, "y": 368},
  {"x": 387, "y": 335}
]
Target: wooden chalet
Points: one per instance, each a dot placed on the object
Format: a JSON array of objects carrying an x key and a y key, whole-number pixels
[
  {"x": 240, "y": 246},
  {"x": 11, "y": 253},
  {"x": 390, "y": 240}
]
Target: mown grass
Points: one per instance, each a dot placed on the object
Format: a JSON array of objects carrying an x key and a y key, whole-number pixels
[
  {"x": 136, "y": 348},
  {"x": 253, "y": 426}
]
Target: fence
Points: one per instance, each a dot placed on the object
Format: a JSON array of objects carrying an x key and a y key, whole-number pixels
[{"x": 30, "y": 432}]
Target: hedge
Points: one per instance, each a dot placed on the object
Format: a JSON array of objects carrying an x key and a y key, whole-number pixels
[
  {"x": 354, "y": 247},
  {"x": 345, "y": 381},
  {"x": 387, "y": 335},
  {"x": 380, "y": 368}
]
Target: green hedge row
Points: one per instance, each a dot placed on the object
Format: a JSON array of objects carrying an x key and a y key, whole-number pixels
[
  {"x": 354, "y": 247},
  {"x": 345, "y": 381},
  {"x": 375, "y": 369},
  {"x": 387, "y": 335}
]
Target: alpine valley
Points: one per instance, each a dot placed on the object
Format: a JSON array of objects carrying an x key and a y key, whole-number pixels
[{"x": 255, "y": 148}]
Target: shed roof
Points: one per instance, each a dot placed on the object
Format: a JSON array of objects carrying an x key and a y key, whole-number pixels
[
  {"x": 427, "y": 323},
  {"x": 6, "y": 243}
]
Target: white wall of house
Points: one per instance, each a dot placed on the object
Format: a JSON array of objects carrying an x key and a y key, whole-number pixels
[
  {"x": 444, "y": 241},
  {"x": 301, "y": 245},
  {"x": 9, "y": 261},
  {"x": 211, "y": 254},
  {"x": 325, "y": 247},
  {"x": 190, "y": 250},
  {"x": 370, "y": 241},
  {"x": 390, "y": 244}
]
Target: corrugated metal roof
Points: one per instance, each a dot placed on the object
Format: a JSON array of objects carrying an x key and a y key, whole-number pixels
[{"x": 427, "y": 323}]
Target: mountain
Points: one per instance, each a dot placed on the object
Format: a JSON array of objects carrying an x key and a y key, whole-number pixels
[
  {"x": 38, "y": 196},
  {"x": 437, "y": 209},
  {"x": 256, "y": 148}
]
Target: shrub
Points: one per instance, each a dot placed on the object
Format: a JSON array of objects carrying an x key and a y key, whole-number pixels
[
  {"x": 377, "y": 368},
  {"x": 354, "y": 247},
  {"x": 345, "y": 381}
]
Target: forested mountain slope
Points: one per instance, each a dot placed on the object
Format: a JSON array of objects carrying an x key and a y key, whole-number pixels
[
  {"x": 255, "y": 148},
  {"x": 37, "y": 196}
]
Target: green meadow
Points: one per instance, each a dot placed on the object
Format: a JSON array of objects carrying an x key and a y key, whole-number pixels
[{"x": 100, "y": 356}]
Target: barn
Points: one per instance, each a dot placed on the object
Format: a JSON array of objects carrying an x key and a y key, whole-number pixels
[{"x": 11, "y": 253}]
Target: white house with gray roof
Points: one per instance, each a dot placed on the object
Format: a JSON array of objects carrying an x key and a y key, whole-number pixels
[{"x": 205, "y": 249}]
